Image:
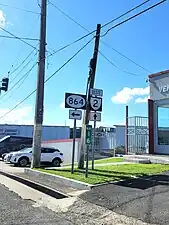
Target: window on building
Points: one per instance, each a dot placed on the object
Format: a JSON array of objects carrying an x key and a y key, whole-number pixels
[{"x": 163, "y": 125}]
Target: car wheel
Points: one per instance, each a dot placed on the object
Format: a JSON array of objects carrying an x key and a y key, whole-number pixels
[
  {"x": 23, "y": 162},
  {"x": 56, "y": 162}
]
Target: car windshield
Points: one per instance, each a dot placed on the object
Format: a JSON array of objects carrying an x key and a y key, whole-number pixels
[{"x": 26, "y": 150}]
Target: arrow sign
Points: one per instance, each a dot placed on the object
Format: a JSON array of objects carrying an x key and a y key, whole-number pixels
[
  {"x": 75, "y": 114},
  {"x": 95, "y": 116}
]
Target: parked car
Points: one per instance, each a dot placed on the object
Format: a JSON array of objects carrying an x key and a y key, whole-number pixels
[
  {"x": 14, "y": 143},
  {"x": 7, "y": 156},
  {"x": 48, "y": 155}
]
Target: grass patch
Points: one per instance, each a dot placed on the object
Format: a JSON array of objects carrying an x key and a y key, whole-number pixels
[
  {"x": 110, "y": 173},
  {"x": 108, "y": 160}
]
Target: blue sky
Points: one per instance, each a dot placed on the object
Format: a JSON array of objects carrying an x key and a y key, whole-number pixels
[{"x": 144, "y": 40}]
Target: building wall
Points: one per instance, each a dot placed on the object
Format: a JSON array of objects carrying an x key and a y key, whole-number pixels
[
  {"x": 120, "y": 135},
  {"x": 48, "y": 132}
]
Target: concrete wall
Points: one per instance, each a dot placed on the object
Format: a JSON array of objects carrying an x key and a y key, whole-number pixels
[{"x": 65, "y": 146}]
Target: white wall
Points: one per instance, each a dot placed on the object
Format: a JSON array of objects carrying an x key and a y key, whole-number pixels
[
  {"x": 120, "y": 135},
  {"x": 66, "y": 148}
]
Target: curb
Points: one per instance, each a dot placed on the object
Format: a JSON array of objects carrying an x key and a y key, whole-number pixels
[
  {"x": 61, "y": 180},
  {"x": 39, "y": 187}
]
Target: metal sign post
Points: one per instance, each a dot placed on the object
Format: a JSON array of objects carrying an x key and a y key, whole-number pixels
[
  {"x": 94, "y": 143},
  {"x": 95, "y": 105},
  {"x": 75, "y": 115},
  {"x": 75, "y": 101},
  {"x": 73, "y": 150},
  {"x": 88, "y": 143}
]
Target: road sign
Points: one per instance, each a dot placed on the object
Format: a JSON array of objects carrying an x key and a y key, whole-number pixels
[
  {"x": 75, "y": 114},
  {"x": 75, "y": 101},
  {"x": 95, "y": 104},
  {"x": 95, "y": 116},
  {"x": 88, "y": 134},
  {"x": 96, "y": 92}
]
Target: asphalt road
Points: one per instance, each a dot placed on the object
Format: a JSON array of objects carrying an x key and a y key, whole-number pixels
[
  {"x": 16, "y": 211},
  {"x": 145, "y": 199}
]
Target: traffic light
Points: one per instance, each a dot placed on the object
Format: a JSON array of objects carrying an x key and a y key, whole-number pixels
[{"x": 5, "y": 82}]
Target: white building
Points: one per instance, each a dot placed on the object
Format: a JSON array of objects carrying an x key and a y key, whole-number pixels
[{"x": 48, "y": 132}]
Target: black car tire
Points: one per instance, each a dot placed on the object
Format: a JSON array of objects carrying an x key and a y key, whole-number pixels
[
  {"x": 56, "y": 162},
  {"x": 23, "y": 161}
]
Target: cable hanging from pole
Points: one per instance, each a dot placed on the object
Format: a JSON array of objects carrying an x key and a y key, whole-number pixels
[{"x": 69, "y": 60}]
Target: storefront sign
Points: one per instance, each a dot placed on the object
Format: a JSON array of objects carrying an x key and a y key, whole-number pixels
[{"x": 164, "y": 88}]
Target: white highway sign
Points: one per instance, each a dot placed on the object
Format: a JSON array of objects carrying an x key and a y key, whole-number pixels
[
  {"x": 75, "y": 114},
  {"x": 95, "y": 116},
  {"x": 75, "y": 101},
  {"x": 95, "y": 104},
  {"x": 96, "y": 92}
]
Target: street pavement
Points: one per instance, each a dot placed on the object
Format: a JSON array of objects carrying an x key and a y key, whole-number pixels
[
  {"x": 145, "y": 199},
  {"x": 17, "y": 211},
  {"x": 21, "y": 205},
  {"x": 10, "y": 168}
]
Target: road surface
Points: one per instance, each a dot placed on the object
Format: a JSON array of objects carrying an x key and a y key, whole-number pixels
[
  {"x": 144, "y": 199},
  {"x": 21, "y": 205}
]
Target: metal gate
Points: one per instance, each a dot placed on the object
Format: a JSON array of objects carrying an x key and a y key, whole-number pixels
[{"x": 137, "y": 132}]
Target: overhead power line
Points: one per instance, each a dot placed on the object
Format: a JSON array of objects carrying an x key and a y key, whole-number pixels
[
  {"x": 18, "y": 38},
  {"x": 18, "y": 84},
  {"x": 25, "y": 75},
  {"x": 22, "y": 38},
  {"x": 10, "y": 73},
  {"x": 17, "y": 8},
  {"x": 84, "y": 28},
  {"x": 70, "y": 59},
  {"x": 132, "y": 17},
  {"x": 126, "y": 57},
  {"x": 115, "y": 65}
]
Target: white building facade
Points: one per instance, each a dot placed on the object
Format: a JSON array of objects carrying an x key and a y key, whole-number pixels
[{"x": 48, "y": 132}]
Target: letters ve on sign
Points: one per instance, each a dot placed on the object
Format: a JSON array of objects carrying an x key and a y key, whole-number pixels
[{"x": 75, "y": 101}]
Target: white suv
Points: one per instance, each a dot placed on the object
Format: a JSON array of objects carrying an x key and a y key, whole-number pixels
[{"x": 48, "y": 155}]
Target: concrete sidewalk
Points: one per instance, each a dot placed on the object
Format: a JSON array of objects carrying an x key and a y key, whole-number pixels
[{"x": 97, "y": 165}]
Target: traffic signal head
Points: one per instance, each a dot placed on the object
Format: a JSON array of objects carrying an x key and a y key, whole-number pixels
[{"x": 5, "y": 82}]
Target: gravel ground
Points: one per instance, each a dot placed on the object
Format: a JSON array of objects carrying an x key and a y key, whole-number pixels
[
  {"x": 17, "y": 211},
  {"x": 146, "y": 200}
]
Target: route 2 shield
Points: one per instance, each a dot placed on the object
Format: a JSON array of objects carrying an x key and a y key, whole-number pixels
[{"x": 95, "y": 104}]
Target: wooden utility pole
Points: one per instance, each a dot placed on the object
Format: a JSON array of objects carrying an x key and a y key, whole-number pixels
[
  {"x": 37, "y": 136},
  {"x": 90, "y": 84}
]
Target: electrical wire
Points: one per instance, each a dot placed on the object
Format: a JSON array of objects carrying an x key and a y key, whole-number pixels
[
  {"x": 134, "y": 16},
  {"x": 14, "y": 78},
  {"x": 18, "y": 38},
  {"x": 23, "y": 80},
  {"x": 70, "y": 59},
  {"x": 84, "y": 28},
  {"x": 126, "y": 57},
  {"x": 113, "y": 64},
  {"x": 10, "y": 73},
  {"x": 106, "y": 24},
  {"x": 25, "y": 75},
  {"x": 14, "y": 7},
  {"x": 23, "y": 38}
]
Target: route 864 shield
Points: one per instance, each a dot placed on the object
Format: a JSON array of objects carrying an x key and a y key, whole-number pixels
[{"x": 95, "y": 104}]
